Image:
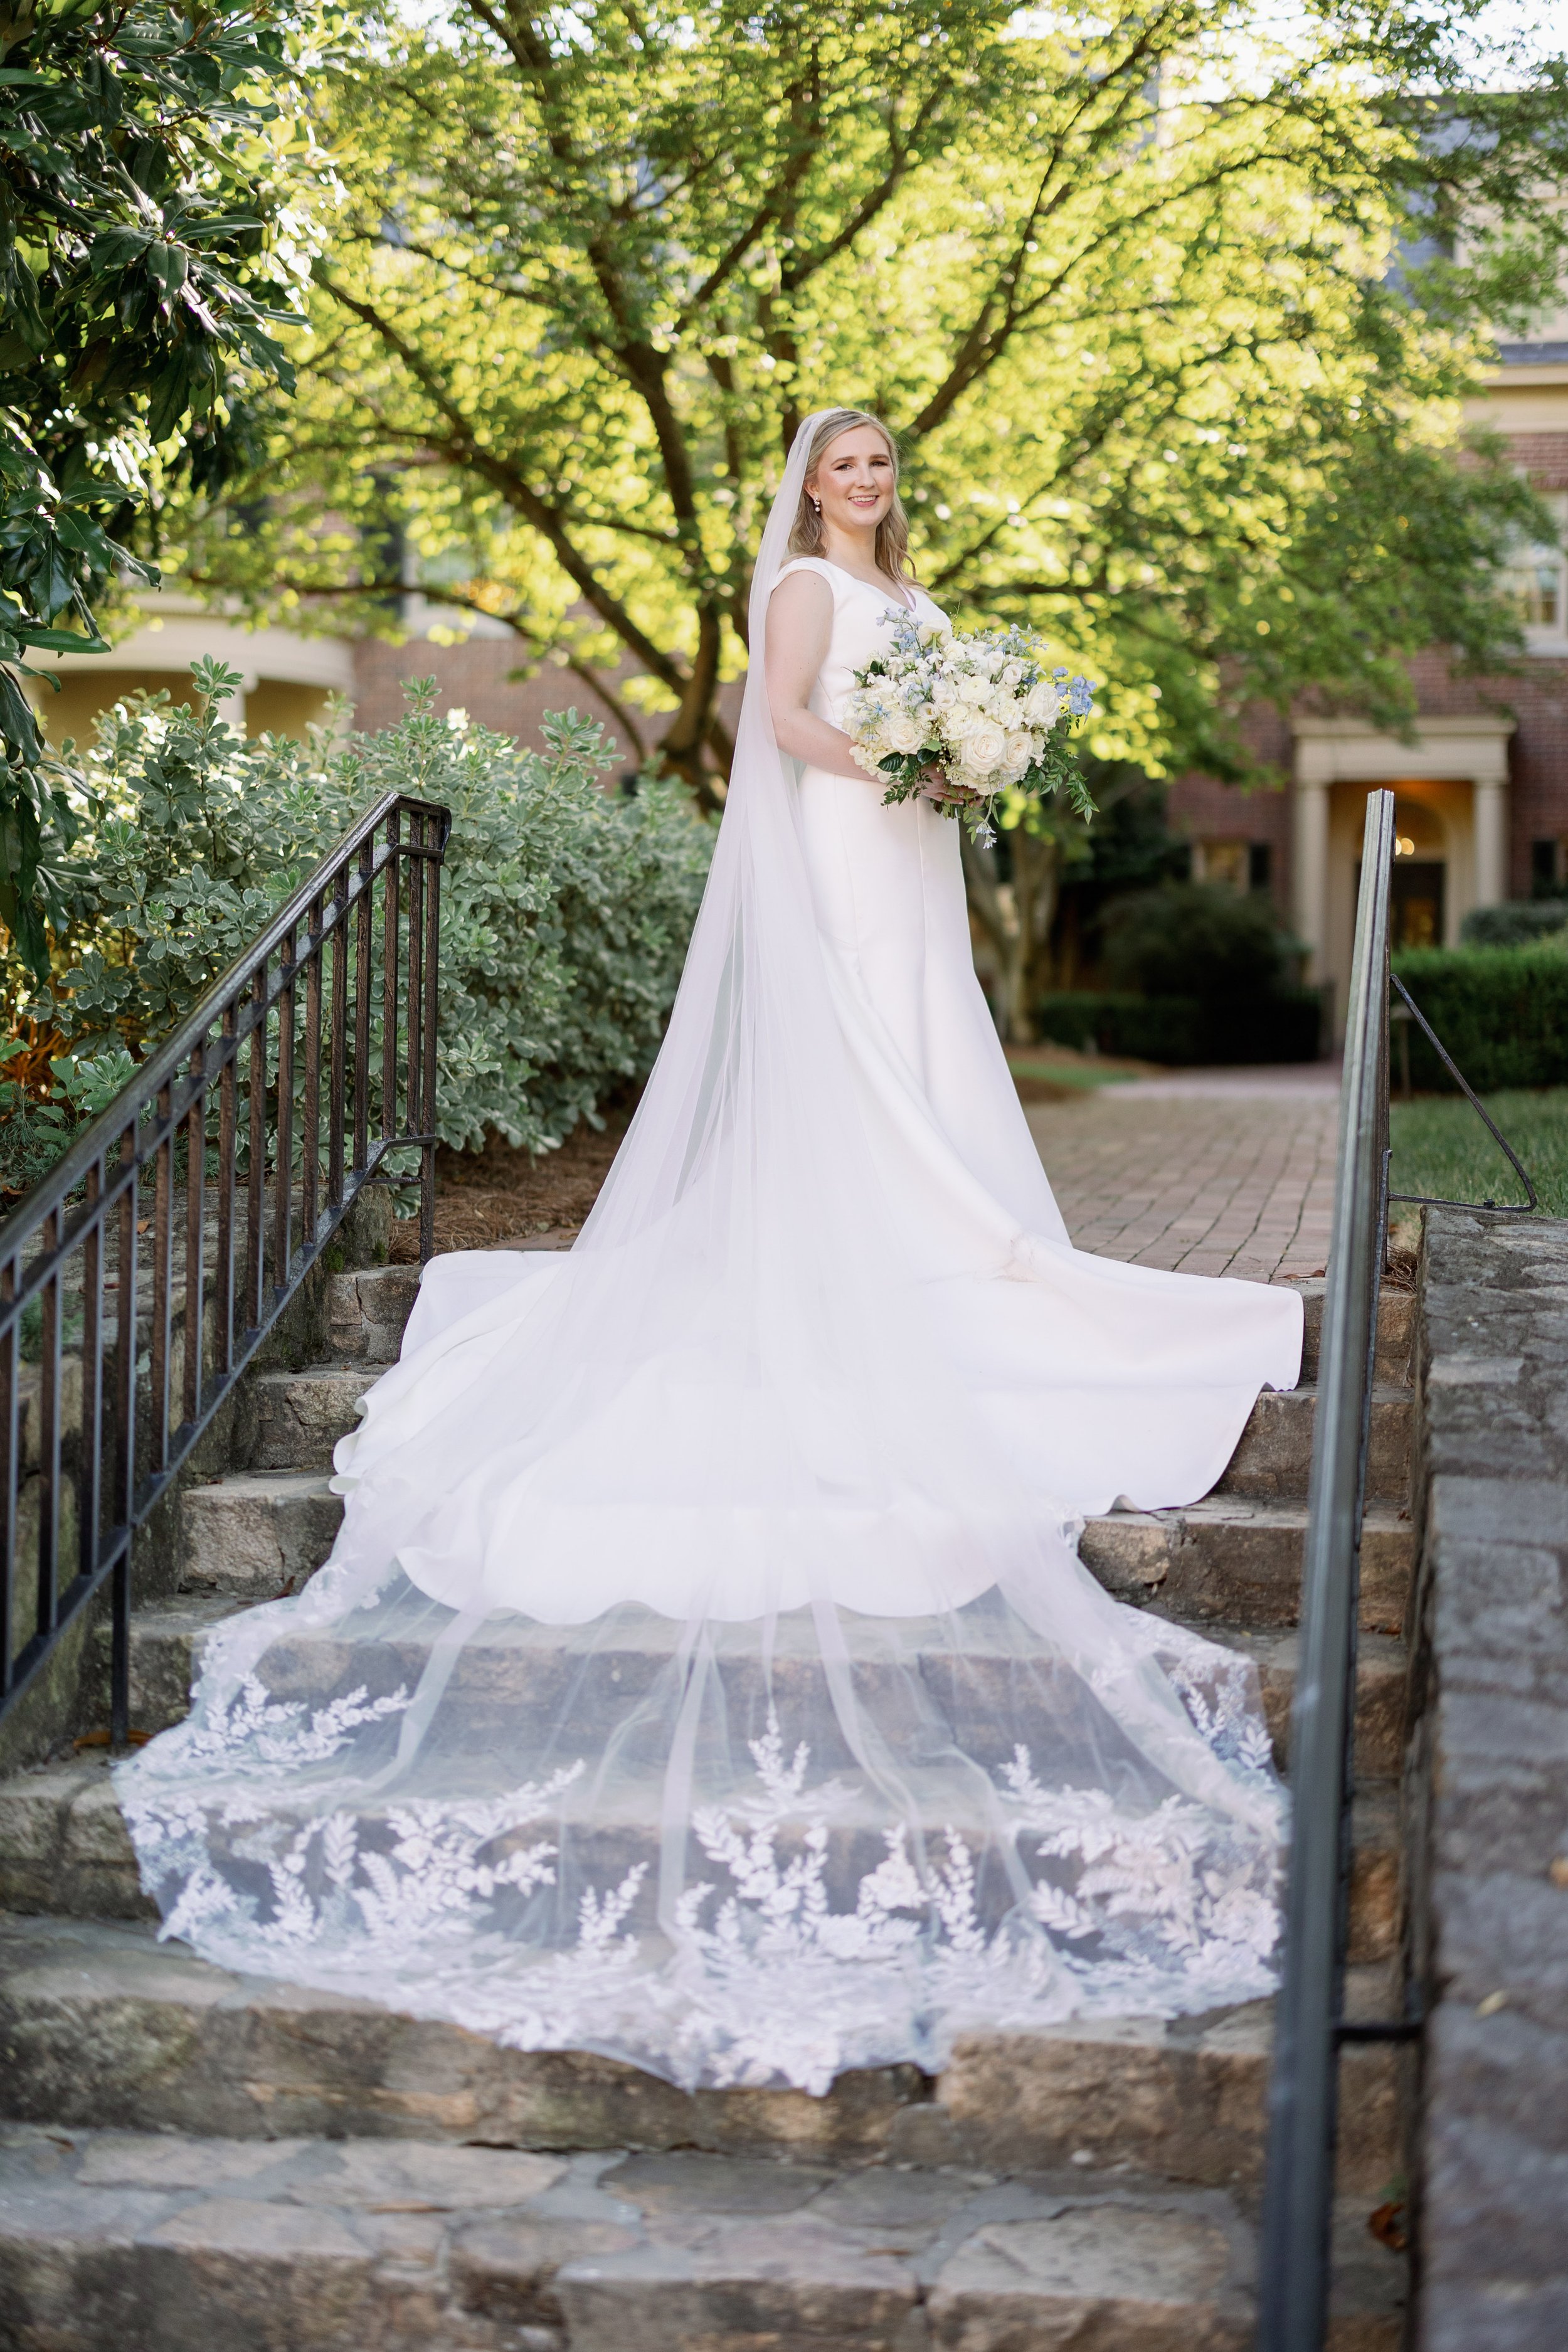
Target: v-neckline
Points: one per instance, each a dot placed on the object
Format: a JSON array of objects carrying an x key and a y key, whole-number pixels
[{"x": 895, "y": 586}]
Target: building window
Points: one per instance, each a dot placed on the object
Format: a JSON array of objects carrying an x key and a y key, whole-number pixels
[
  {"x": 1238, "y": 864},
  {"x": 1537, "y": 580},
  {"x": 1548, "y": 869}
]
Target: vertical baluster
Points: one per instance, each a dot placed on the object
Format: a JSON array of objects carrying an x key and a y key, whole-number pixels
[
  {"x": 50, "y": 1435},
  {"x": 282, "y": 1201},
  {"x": 196, "y": 1233},
  {"x": 415, "y": 972},
  {"x": 10, "y": 1471},
  {"x": 122, "y": 1498},
  {"x": 363, "y": 908},
  {"x": 389, "y": 981},
  {"x": 89, "y": 1470},
  {"x": 337, "y": 1069},
  {"x": 430, "y": 1008},
  {"x": 310, "y": 1121},
  {"x": 255, "y": 1179},
  {"x": 163, "y": 1281},
  {"x": 223, "y": 1272}
]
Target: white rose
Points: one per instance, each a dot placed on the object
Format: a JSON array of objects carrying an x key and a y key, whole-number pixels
[
  {"x": 973, "y": 689},
  {"x": 1012, "y": 673},
  {"x": 1020, "y": 752},
  {"x": 960, "y": 722},
  {"x": 1041, "y": 705},
  {"x": 984, "y": 748},
  {"x": 904, "y": 731}
]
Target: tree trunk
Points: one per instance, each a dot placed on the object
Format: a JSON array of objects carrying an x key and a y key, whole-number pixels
[{"x": 1016, "y": 917}]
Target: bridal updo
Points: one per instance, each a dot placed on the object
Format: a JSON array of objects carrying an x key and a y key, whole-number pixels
[{"x": 892, "y": 532}]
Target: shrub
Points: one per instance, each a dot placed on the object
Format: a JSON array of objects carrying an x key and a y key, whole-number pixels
[
  {"x": 1198, "y": 974},
  {"x": 1184, "y": 1030},
  {"x": 1516, "y": 925},
  {"x": 1195, "y": 940},
  {"x": 1502, "y": 1012},
  {"x": 564, "y": 910}
]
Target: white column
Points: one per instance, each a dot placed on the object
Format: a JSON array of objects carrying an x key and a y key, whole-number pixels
[
  {"x": 1310, "y": 870},
  {"x": 1490, "y": 832}
]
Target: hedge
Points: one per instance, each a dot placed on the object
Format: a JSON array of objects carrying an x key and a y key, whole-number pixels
[
  {"x": 565, "y": 909},
  {"x": 1502, "y": 1012},
  {"x": 1517, "y": 923},
  {"x": 1284, "y": 1026}
]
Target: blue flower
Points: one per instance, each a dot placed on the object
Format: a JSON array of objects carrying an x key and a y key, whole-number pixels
[{"x": 1080, "y": 697}]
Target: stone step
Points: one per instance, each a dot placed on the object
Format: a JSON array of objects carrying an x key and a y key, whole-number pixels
[
  {"x": 1395, "y": 1331},
  {"x": 1232, "y": 1557},
  {"x": 65, "y": 1849},
  {"x": 1382, "y": 1667},
  {"x": 1274, "y": 1459},
  {"x": 514, "y": 1668},
  {"x": 256, "y": 1534},
  {"x": 396, "y": 2245},
  {"x": 292, "y": 1420},
  {"x": 367, "y": 1310},
  {"x": 103, "y": 2028}
]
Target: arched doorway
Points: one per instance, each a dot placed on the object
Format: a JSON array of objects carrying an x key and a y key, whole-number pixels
[{"x": 1418, "y": 898}]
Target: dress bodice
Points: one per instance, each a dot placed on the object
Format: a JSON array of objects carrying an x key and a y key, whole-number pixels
[{"x": 860, "y": 616}]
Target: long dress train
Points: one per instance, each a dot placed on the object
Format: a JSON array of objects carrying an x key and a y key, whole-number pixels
[{"x": 705, "y": 1674}]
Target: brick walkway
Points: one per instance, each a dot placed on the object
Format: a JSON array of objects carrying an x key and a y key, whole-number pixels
[{"x": 1213, "y": 1173}]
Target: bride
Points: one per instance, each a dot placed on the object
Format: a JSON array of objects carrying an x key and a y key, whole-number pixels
[{"x": 705, "y": 1674}]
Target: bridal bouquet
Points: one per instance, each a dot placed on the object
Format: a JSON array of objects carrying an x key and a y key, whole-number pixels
[{"x": 984, "y": 709}]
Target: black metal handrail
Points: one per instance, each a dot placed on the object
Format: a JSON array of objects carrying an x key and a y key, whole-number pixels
[
  {"x": 1310, "y": 2028},
  {"x": 286, "y": 1024}
]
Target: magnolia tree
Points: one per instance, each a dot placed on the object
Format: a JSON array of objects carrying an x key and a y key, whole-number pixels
[
  {"x": 1121, "y": 280},
  {"x": 151, "y": 243}
]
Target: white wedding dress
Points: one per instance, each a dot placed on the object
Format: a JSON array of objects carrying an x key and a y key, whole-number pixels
[{"x": 705, "y": 1674}]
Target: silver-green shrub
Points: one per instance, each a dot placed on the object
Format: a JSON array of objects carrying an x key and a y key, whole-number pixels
[{"x": 565, "y": 909}]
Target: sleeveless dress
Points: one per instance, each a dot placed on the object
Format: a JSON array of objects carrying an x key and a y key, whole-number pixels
[
  {"x": 704, "y": 1674},
  {"x": 1116, "y": 1382}
]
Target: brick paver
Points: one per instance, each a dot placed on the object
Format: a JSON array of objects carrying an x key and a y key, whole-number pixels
[{"x": 1217, "y": 1177}]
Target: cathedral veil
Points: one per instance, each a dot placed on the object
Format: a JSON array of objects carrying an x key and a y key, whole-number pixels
[{"x": 700, "y": 1677}]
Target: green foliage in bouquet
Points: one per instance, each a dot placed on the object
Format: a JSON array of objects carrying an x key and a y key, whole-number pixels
[{"x": 982, "y": 708}]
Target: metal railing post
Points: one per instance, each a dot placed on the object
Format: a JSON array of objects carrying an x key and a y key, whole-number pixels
[
  {"x": 78, "y": 1234},
  {"x": 1303, "y": 2091}
]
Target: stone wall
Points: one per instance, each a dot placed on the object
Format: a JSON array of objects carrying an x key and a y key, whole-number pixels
[{"x": 1491, "y": 1904}]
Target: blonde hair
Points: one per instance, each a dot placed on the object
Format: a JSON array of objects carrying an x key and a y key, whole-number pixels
[{"x": 805, "y": 536}]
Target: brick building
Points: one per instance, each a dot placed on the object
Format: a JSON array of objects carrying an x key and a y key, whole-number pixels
[{"x": 1482, "y": 790}]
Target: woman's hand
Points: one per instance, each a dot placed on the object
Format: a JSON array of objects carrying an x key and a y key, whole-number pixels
[{"x": 938, "y": 786}]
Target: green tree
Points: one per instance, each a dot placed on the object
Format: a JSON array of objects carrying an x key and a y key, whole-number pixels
[
  {"x": 148, "y": 256},
  {"x": 1123, "y": 284}
]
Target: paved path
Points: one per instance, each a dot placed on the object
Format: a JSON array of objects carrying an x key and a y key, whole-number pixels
[{"x": 1226, "y": 1172}]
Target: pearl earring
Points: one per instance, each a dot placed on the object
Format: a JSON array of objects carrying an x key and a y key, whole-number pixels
[{"x": 816, "y": 504}]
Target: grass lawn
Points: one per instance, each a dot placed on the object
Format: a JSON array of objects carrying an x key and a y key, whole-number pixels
[
  {"x": 1051, "y": 1073},
  {"x": 1440, "y": 1147}
]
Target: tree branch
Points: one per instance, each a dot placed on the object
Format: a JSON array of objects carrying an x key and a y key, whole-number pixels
[{"x": 518, "y": 492}]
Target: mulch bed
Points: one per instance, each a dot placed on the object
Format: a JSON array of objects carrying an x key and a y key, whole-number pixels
[{"x": 503, "y": 1197}]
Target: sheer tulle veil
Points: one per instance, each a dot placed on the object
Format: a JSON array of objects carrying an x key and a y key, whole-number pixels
[{"x": 698, "y": 1678}]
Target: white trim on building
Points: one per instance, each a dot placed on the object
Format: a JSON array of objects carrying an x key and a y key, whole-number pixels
[{"x": 1452, "y": 776}]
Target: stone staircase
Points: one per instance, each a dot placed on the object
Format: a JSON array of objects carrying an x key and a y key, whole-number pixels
[{"x": 192, "y": 2160}]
